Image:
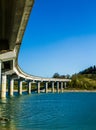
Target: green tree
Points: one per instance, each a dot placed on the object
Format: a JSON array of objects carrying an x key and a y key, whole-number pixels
[{"x": 56, "y": 75}]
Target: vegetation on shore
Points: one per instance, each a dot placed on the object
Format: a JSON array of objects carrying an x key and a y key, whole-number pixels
[{"x": 85, "y": 79}]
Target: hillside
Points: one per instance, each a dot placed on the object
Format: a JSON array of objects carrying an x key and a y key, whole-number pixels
[
  {"x": 85, "y": 79},
  {"x": 90, "y": 70}
]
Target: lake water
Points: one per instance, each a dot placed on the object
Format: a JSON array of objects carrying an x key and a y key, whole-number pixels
[{"x": 64, "y": 111}]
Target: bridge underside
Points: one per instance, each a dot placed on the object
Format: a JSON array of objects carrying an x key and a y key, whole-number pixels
[
  {"x": 11, "y": 12},
  {"x": 13, "y": 19}
]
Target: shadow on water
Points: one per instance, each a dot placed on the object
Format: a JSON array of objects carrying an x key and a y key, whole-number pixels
[
  {"x": 13, "y": 111},
  {"x": 9, "y": 110},
  {"x": 6, "y": 115}
]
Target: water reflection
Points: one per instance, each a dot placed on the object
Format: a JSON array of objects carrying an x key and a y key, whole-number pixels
[
  {"x": 49, "y": 111},
  {"x": 9, "y": 108}
]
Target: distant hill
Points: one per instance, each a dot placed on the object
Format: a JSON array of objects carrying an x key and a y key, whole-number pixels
[
  {"x": 90, "y": 70},
  {"x": 85, "y": 79}
]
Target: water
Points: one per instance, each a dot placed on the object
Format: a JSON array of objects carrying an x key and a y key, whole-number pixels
[{"x": 66, "y": 111}]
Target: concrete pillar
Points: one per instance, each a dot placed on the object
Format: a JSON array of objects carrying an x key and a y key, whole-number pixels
[
  {"x": 62, "y": 87},
  {"x": 46, "y": 87},
  {"x": 3, "y": 86},
  {"x": 64, "y": 84},
  {"x": 20, "y": 87},
  {"x": 29, "y": 87},
  {"x": 58, "y": 87},
  {"x": 53, "y": 87},
  {"x": 38, "y": 87},
  {"x": 8, "y": 85},
  {"x": 11, "y": 87},
  {"x": 0, "y": 77}
]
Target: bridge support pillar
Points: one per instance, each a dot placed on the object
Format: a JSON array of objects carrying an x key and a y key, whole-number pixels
[
  {"x": 64, "y": 84},
  {"x": 0, "y": 76},
  {"x": 29, "y": 87},
  {"x": 3, "y": 86},
  {"x": 62, "y": 87},
  {"x": 11, "y": 86},
  {"x": 38, "y": 87},
  {"x": 20, "y": 87},
  {"x": 53, "y": 87},
  {"x": 46, "y": 87},
  {"x": 58, "y": 87}
]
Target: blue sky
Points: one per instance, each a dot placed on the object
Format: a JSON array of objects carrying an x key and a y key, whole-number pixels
[{"x": 60, "y": 37}]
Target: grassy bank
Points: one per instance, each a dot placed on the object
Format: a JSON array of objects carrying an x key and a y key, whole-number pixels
[{"x": 85, "y": 81}]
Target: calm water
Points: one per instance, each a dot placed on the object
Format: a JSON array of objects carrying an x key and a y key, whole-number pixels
[{"x": 66, "y": 111}]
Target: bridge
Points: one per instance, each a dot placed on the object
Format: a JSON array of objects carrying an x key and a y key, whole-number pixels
[{"x": 14, "y": 16}]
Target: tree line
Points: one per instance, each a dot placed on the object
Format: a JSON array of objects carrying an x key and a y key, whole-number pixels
[
  {"x": 90, "y": 70},
  {"x": 85, "y": 79},
  {"x": 57, "y": 75}
]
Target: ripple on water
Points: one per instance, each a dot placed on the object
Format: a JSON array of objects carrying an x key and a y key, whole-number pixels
[{"x": 68, "y": 111}]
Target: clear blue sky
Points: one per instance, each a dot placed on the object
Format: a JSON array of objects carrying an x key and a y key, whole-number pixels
[{"x": 60, "y": 37}]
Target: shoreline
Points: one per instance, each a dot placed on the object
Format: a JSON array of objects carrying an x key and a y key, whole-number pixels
[
  {"x": 70, "y": 90},
  {"x": 73, "y": 90},
  {"x": 79, "y": 91}
]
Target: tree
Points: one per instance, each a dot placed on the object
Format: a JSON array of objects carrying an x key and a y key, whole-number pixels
[{"x": 56, "y": 75}]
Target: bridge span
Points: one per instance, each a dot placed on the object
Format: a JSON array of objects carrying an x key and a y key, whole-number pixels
[{"x": 14, "y": 16}]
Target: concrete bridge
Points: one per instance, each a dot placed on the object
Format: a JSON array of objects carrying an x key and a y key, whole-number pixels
[{"x": 14, "y": 16}]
